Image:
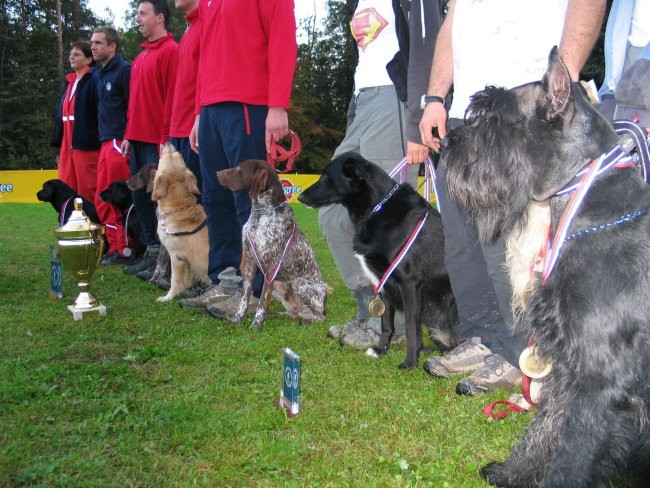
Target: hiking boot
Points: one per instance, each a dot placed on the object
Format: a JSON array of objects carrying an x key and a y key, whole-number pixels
[
  {"x": 113, "y": 258},
  {"x": 147, "y": 261},
  {"x": 363, "y": 335},
  {"x": 226, "y": 309},
  {"x": 336, "y": 331},
  {"x": 495, "y": 374},
  {"x": 468, "y": 356},
  {"x": 213, "y": 294}
]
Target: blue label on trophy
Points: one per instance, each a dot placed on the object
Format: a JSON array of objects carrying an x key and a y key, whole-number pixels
[
  {"x": 291, "y": 381},
  {"x": 56, "y": 288}
]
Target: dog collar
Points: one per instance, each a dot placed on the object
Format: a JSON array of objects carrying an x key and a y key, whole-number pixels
[{"x": 184, "y": 233}]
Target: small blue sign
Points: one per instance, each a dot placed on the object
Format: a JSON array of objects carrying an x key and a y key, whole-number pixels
[{"x": 290, "y": 381}]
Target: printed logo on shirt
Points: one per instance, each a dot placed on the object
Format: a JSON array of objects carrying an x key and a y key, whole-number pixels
[
  {"x": 108, "y": 86},
  {"x": 366, "y": 26}
]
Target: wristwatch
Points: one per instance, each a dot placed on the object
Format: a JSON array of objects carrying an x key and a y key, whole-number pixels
[{"x": 430, "y": 98}]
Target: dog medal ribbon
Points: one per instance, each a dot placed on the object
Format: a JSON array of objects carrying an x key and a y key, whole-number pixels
[
  {"x": 376, "y": 307},
  {"x": 533, "y": 364}
]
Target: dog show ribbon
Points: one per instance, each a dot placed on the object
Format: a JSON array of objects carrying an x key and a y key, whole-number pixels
[
  {"x": 277, "y": 153},
  {"x": 274, "y": 272},
  {"x": 401, "y": 254},
  {"x": 62, "y": 214},
  {"x": 616, "y": 157}
]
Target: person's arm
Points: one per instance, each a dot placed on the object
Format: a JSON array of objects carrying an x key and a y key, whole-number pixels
[
  {"x": 424, "y": 24},
  {"x": 440, "y": 80},
  {"x": 581, "y": 29}
]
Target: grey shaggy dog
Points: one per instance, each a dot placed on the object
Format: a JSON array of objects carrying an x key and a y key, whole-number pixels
[{"x": 591, "y": 315}]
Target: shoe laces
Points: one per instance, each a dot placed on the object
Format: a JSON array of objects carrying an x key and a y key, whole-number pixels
[
  {"x": 494, "y": 365},
  {"x": 464, "y": 347}
]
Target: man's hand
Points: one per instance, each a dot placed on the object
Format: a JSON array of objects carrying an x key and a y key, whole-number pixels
[
  {"x": 277, "y": 126},
  {"x": 434, "y": 117},
  {"x": 126, "y": 148},
  {"x": 416, "y": 153},
  {"x": 194, "y": 135}
]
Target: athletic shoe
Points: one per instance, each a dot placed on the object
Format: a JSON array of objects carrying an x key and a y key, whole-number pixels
[
  {"x": 468, "y": 356},
  {"x": 226, "y": 309},
  {"x": 213, "y": 294},
  {"x": 147, "y": 261},
  {"x": 495, "y": 374},
  {"x": 113, "y": 258}
]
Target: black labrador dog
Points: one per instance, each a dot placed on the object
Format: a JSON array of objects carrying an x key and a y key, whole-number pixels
[
  {"x": 394, "y": 226},
  {"x": 61, "y": 196},
  {"x": 118, "y": 194},
  {"x": 588, "y": 312}
]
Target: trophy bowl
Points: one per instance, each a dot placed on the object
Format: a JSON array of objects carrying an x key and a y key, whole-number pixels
[{"x": 80, "y": 245}]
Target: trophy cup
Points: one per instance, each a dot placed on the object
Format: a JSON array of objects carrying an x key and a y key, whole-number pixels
[{"x": 80, "y": 245}]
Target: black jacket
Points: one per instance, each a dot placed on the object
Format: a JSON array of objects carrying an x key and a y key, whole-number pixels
[{"x": 85, "y": 135}]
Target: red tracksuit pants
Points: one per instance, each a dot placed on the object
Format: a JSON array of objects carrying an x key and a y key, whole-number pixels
[{"x": 112, "y": 166}]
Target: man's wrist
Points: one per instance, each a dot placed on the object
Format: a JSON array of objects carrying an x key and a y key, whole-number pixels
[{"x": 430, "y": 99}]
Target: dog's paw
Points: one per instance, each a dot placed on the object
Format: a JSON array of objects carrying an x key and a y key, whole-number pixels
[
  {"x": 165, "y": 298},
  {"x": 256, "y": 325},
  {"x": 493, "y": 474},
  {"x": 372, "y": 353},
  {"x": 408, "y": 364}
]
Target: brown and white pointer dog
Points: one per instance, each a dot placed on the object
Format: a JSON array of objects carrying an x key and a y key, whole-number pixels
[{"x": 273, "y": 241}]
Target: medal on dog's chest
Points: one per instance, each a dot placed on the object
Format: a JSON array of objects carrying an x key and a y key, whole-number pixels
[
  {"x": 269, "y": 294},
  {"x": 376, "y": 307},
  {"x": 533, "y": 364},
  {"x": 126, "y": 252}
]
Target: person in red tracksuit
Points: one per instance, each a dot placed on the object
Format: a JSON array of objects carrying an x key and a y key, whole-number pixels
[
  {"x": 247, "y": 62},
  {"x": 184, "y": 106},
  {"x": 153, "y": 78},
  {"x": 113, "y": 88},
  {"x": 75, "y": 128}
]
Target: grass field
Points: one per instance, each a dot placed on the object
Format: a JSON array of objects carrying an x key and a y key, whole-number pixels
[{"x": 154, "y": 396}]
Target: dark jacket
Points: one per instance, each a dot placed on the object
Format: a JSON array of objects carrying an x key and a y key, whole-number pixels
[
  {"x": 113, "y": 94},
  {"x": 85, "y": 135}
]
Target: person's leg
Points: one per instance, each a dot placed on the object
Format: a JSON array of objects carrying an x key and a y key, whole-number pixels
[
  {"x": 112, "y": 166},
  {"x": 85, "y": 168}
]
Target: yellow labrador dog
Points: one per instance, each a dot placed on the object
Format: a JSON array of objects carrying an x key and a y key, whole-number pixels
[{"x": 181, "y": 222}]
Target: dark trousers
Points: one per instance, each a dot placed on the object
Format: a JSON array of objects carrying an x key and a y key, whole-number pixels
[
  {"x": 182, "y": 145},
  {"x": 479, "y": 278},
  {"x": 229, "y": 133},
  {"x": 143, "y": 153}
]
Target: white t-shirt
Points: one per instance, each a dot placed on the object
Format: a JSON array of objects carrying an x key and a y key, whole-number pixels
[
  {"x": 373, "y": 27},
  {"x": 640, "y": 29},
  {"x": 502, "y": 43}
]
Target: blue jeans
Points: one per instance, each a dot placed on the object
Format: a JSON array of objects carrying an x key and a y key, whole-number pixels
[
  {"x": 229, "y": 132},
  {"x": 182, "y": 145},
  {"x": 143, "y": 153}
]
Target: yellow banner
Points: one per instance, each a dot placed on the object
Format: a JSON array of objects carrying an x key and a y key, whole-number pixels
[{"x": 21, "y": 186}]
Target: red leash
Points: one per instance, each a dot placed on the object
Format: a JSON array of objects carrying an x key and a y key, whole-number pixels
[{"x": 279, "y": 154}]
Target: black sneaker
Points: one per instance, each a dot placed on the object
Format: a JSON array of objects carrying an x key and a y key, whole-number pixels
[
  {"x": 148, "y": 260},
  {"x": 113, "y": 258}
]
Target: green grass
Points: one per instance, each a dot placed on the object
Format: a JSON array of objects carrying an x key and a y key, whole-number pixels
[{"x": 153, "y": 395}]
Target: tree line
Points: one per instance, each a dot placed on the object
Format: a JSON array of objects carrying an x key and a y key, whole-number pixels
[{"x": 34, "y": 40}]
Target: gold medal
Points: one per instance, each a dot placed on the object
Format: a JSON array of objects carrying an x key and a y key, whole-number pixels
[
  {"x": 268, "y": 296},
  {"x": 126, "y": 252},
  {"x": 376, "y": 307},
  {"x": 534, "y": 365}
]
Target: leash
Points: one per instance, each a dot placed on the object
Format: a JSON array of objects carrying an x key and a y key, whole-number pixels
[
  {"x": 274, "y": 272},
  {"x": 429, "y": 182},
  {"x": 278, "y": 154}
]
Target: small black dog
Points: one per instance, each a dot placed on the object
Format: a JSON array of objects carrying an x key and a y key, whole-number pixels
[
  {"x": 118, "y": 194},
  {"x": 61, "y": 196},
  {"x": 588, "y": 313},
  {"x": 385, "y": 215}
]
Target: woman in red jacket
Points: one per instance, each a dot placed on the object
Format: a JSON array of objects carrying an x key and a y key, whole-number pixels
[{"x": 75, "y": 127}]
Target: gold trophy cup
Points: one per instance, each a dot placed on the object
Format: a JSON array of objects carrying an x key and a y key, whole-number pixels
[{"x": 80, "y": 245}]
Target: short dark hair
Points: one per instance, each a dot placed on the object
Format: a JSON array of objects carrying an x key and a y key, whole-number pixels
[
  {"x": 110, "y": 34},
  {"x": 83, "y": 46},
  {"x": 161, "y": 7}
]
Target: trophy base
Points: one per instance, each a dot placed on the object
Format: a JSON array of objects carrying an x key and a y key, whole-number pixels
[{"x": 78, "y": 313}]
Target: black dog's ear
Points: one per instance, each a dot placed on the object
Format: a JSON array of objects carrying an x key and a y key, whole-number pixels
[
  {"x": 354, "y": 166},
  {"x": 557, "y": 83}
]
